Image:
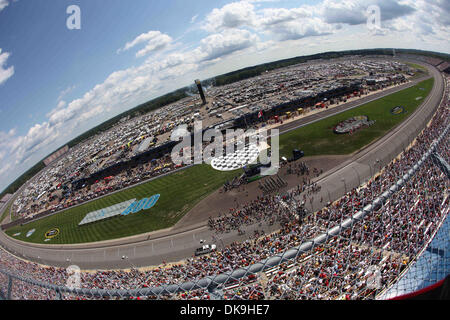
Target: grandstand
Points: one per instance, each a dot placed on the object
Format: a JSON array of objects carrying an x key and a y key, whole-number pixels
[
  {"x": 440, "y": 64},
  {"x": 444, "y": 67},
  {"x": 55, "y": 156}
]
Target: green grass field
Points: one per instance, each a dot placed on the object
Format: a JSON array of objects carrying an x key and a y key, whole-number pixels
[
  {"x": 319, "y": 139},
  {"x": 182, "y": 190},
  {"x": 179, "y": 193}
]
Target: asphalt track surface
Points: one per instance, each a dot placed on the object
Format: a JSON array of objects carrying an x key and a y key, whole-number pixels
[{"x": 180, "y": 241}]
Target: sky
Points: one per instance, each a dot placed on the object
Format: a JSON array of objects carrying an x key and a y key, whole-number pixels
[{"x": 57, "y": 82}]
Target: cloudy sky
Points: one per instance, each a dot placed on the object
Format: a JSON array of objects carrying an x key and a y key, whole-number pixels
[{"x": 56, "y": 83}]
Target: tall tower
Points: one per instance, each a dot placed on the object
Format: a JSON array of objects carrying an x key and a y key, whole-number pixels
[{"x": 200, "y": 90}]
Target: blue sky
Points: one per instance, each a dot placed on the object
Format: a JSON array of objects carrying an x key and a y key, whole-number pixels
[{"x": 56, "y": 83}]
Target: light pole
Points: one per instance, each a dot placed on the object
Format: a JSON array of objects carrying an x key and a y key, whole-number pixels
[
  {"x": 345, "y": 185},
  {"x": 217, "y": 239},
  {"x": 357, "y": 173}
]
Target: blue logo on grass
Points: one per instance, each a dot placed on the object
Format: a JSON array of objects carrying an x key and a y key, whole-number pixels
[{"x": 140, "y": 205}]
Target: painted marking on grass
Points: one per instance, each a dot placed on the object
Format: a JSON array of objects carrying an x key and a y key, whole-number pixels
[
  {"x": 143, "y": 204},
  {"x": 29, "y": 233}
]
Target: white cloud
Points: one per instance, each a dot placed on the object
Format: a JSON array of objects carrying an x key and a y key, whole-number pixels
[
  {"x": 273, "y": 16},
  {"x": 6, "y": 139},
  {"x": 282, "y": 23},
  {"x": 221, "y": 44},
  {"x": 5, "y": 168},
  {"x": 65, "y": 92},
  {"x": 354, "y": 12},
  {"x": 430, "y": 22},
  {"x": 295, "y": 30},
  {"x": 3, "y": 4},
  {"x": 441, "y": 9},
  {"x": 424, "y": 18},
  {"x": 292, "y": 24},
  {"x": 154, "y": 40},
  {"x": 232, "y": 15},
  {"x": 5, "y": 72},
  {"x": 37, "y": 138},
  {"x": 194, "y": 18},
  {"x": 121, "y": 90},
  {"x": 61, "y": 104}
]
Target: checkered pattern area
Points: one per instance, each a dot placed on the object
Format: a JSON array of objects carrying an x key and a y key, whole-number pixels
[{"x": 236, "y": 160}]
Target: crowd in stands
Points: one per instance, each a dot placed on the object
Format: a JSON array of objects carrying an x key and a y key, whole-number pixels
[{"x": 388, "y": 238}]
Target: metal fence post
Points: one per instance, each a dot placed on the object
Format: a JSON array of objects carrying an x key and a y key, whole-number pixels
[
  {"x": 357, "y": 173},
  {"x": 58, "y": 294},
  {"x": 8, "y": 294}
]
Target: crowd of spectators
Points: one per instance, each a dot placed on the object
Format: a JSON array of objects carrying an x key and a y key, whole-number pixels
[{"x": 386, "y": 239}]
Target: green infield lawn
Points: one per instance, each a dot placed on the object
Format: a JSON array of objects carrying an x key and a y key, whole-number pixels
[
  {"x": 179, "y": 193},
  {"x": 319, "y": 139}
]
